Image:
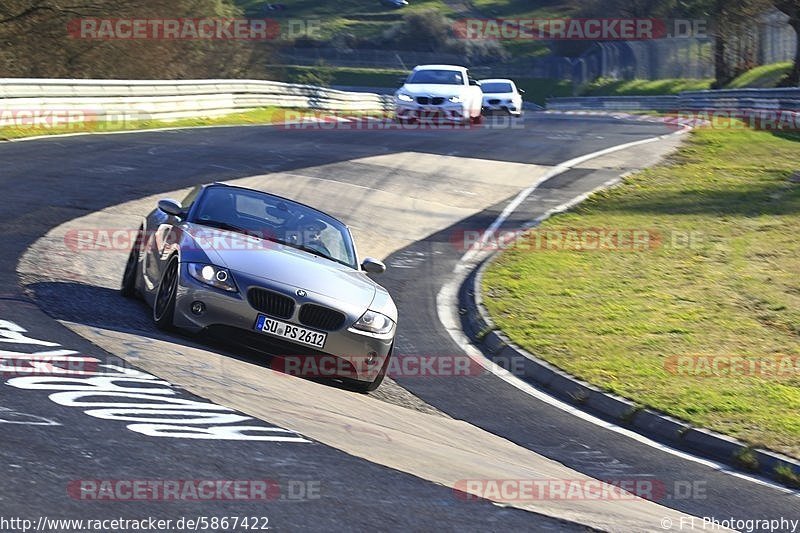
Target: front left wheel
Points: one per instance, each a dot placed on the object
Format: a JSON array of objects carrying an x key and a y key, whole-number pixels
[{"x": 164, "y": 306}]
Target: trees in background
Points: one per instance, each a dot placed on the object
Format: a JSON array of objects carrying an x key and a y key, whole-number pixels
[
  {"x": 792, "y": 9},
  {"x": 431, "y": 31},
  {"x": 36, "y": 42},
  {"x": 732, "y": 25},
  {"x": 734, "y": 29}
]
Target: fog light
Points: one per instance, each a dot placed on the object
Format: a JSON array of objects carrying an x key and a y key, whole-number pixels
[
  {"x": 372, "y": 358},
  {"x": 198, "y": 308}
]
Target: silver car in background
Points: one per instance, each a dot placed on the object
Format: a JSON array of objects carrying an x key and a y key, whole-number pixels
[{"x": 273, "y": 273}]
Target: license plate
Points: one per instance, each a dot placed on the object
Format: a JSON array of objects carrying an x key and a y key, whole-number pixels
[{"x": 284, "y": 330}]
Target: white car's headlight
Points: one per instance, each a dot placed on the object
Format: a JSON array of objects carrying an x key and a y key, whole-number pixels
[
  {"x": 375, "y": 323},
  {"x": 404, "y": 97},
  {"x": 213, "y": 275},
  {"x": 455, "y": 100}
]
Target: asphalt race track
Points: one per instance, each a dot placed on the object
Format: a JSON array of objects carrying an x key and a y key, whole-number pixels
[{"x": 340, "y": 460}]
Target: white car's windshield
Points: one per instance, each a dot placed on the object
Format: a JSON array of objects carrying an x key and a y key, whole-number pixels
[
  {"x": 277, "y": 219},
  {"x": 438, "y": 77},
  {"x": 496, "y": 87}
]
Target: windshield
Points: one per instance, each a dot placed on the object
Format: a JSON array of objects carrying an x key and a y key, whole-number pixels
[
  {"x": 496, "y": 87},
  {"x": 438, "y": 77},
  {"x": 277, "y": 219}
]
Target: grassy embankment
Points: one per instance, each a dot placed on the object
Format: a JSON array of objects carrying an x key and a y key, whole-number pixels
[{"x": 616, "y": 319}]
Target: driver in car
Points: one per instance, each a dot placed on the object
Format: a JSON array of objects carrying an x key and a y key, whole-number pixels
[{"x": 312, "y": 235}]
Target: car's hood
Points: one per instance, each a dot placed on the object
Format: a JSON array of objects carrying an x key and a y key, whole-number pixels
[
  {"x": 285, "y": 265},
  {"x": 431, "y": 89}
]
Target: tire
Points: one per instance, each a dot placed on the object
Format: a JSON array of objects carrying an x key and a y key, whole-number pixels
[
  {"x": 128, "y": 287},
  {"x": 369, "y": 386},
  {"x": 164, "y": 305}
]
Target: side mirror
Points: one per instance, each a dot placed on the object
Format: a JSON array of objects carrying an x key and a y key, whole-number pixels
[
  {"x": 170, "y": 207},
  {"x": 373, "y": 266},
  {"x": 520, "y": 91},
  {"x": 402, "y": 80},
  {"x": 474, "y": 82}
]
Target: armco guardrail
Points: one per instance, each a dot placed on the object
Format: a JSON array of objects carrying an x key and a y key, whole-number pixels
[
  {"x": 727, "y": 100},
  {"x": 614, "y": 103},
  {"x": 746, "y": 99},
  {"x": 170, "y": 99}
]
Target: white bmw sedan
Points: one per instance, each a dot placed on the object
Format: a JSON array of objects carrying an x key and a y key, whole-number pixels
[{"x": 440, "y": 92}]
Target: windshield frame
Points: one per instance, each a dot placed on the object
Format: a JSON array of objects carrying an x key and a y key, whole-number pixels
[
  {"x": 340, "y": 227},
  {"x": 411, "y": 76},
  {"x": 506, "y": 83}
]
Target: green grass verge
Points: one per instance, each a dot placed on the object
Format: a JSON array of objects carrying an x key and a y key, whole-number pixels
[
  {"x": 761, "y": 77},
  {"x": 257, "y": 116},
  {"x": 606, "y": 87},
  {"x": 616, "y": 318}
]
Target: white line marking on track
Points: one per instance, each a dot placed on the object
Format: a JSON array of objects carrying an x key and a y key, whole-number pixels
[
  {"x": 10, "y": 416},
  {"x": 446, "y": 304}
]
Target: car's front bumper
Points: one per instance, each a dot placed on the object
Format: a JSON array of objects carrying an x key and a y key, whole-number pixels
[
  {"x": 444, "y": 112},
  {"x": 230, "y": 313},
  {"x": 502, "y": 107}
]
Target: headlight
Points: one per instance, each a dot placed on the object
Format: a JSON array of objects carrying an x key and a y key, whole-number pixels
[
  {"x": 454, "y": 100},
  {"x": 374, "y": 323},
  {"x": 404, "y": 97},
  {"x": 213, "y": 275}
]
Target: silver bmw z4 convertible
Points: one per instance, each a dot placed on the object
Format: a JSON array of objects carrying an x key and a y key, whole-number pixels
[{"x": 278, "y": 274}]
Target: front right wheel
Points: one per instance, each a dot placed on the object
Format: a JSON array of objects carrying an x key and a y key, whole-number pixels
[
  {"x": 128, "y": 287},
  {"x": 164, "y": 306}
]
